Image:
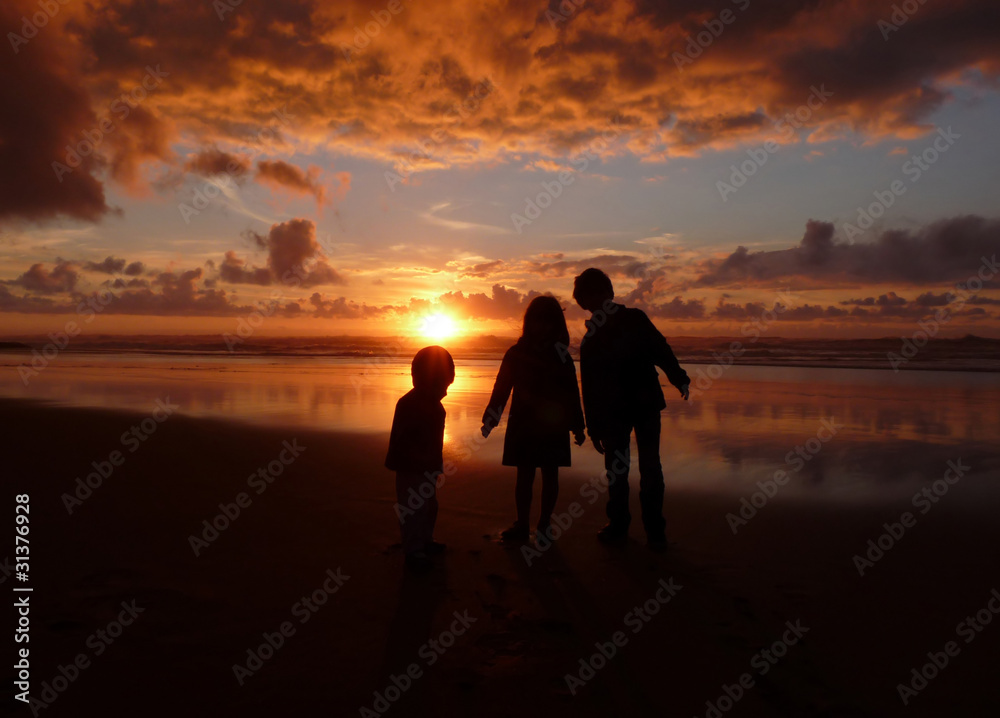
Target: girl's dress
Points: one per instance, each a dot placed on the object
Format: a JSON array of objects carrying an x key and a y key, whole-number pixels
[{"x": 545, "y": 407}]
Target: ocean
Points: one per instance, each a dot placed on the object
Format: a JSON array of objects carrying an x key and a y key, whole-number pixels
[{"x": 816, "y": 432}]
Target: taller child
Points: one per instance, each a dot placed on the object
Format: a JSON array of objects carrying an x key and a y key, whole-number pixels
[{"x": 621, "y": 393}]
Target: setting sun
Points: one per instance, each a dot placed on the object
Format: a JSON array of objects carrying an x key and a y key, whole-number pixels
[{"x": 437, "y": 326}]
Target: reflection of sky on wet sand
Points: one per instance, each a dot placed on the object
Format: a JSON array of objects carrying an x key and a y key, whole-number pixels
[{"x": 899, "y": 429}]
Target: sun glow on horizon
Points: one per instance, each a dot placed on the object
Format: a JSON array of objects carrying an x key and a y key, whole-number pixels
[{"x": 438, "y": 326}]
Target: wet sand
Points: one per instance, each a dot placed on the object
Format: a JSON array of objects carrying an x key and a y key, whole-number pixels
[{"x": 331, "y": 508}]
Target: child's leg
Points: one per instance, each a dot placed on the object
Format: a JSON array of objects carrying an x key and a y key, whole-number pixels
[
  {"x": 617, "y": 460},
  {"x": 412, "y": 519},
  {"x": 647, "y": 439},
  {"x": 431, "y": 509},
  {"x": 550, "y": 492},
  {"x": 522, "y": 493}
]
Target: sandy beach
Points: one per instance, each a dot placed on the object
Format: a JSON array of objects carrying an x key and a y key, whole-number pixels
[{"x": 493, "y": 630}]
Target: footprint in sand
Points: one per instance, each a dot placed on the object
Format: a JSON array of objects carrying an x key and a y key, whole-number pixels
[{"x": 497, "y": 582}]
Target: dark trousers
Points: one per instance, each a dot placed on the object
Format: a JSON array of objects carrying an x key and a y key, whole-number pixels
[
  {"x": 617, "y": 460},
  {"x": 416, "y": 508}
]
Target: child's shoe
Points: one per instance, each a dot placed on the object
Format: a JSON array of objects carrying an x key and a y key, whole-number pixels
[
  {"x": 543, "y": 531},
  {"x": 434, "y": 548},
  {"x": 417, "y": 562},
  {"x": 612, "y": 534},
  {"x": 657, "y": 543},
  {"x": 517, "y": 532}
]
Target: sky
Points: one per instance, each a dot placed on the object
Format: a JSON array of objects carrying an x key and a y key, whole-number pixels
[{"x": 397, "y": 167}]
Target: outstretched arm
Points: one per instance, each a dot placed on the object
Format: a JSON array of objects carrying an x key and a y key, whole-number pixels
[{"x": 663, "y": 357}]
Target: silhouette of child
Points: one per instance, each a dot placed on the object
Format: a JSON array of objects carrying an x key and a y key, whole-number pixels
[
  {"x": 621, "y": 394},
  {"x": 544, "y": 409},
  {"x": 416, "y": 443}
]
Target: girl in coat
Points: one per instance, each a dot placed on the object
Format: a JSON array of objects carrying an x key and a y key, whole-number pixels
[{"x": 544, "y": 410}]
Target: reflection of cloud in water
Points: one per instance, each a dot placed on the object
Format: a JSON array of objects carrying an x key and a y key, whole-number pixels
[{"x": 900, "y": 429}]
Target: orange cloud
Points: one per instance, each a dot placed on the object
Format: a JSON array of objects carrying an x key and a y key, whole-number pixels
[
  {"x": 275, "y": 74},
  {"x": 290, "y": 177}
]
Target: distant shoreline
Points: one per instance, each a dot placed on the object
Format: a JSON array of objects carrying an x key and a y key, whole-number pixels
[
  {"x": 846, "y": 362},
  {"x": 968, "y": 353}
]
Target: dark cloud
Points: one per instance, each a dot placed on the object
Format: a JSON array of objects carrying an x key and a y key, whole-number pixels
[
  {"x": 234, "y": 270},
  {"x": 481, "y": 270},
  {"x": 739, "y": 312},
  {"x": 169, "y": 294},
  {"x": 135, "y": 268},
  {"x": 343, "y": 308},
  {"x": 61, "y": 278},
  {"x": 27, "y": 304},
  {"x": 293, "y": 257},
  {"x": 44, "y": 110},
  {"x": 501, "y": 303},
  {"x": 884, "y": 300},
  {"x": 809, "y": 312},
  {"x": 948, "y": 250},
  {"x": 110, "y": 265},
  {"x": 292, "y": 178},
  {"x": 614, "y": 265},
  {"x": 677, "y": 308},
  {"x": 213, "y": 161},
  {"x": 938, "y": 40},
  {"x": 886, "y": 308}
]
